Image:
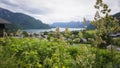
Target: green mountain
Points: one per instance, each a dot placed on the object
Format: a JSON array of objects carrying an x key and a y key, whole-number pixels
[{"x": 21, "y": 21}]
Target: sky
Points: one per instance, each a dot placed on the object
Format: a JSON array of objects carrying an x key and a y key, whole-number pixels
[{"x": 50, "y": 11}]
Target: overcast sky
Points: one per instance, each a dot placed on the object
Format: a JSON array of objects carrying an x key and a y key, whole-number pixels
[{"x": 50, "y": 11}]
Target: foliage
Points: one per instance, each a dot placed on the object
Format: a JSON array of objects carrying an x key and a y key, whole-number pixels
[
  {"x": 80, "y": 34},
  {"x": 25, "y": 34},
  {"x": 117, "y": 15},
  {"x": 36, "y": 53},
  {"x": 56, "y": 51},
  {"x": 105, "y": 24},
  {"x": 67, "y": 33},
  {"x": 116, "y": 41}
]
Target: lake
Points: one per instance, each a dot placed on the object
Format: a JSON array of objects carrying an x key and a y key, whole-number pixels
[{"x": 52, "y": 29}]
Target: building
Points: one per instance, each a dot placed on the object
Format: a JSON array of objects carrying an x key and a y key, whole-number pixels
[
  {"x": 115, "y": 35},
  {"x": 2, "y": 26}
]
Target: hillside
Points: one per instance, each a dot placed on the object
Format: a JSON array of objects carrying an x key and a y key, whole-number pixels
[{"x": 21, "y": 21}]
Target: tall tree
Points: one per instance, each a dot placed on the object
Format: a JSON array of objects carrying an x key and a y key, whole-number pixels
[
  {"x": 67, "y": 33},
  {"x": 105, "y": 24}
]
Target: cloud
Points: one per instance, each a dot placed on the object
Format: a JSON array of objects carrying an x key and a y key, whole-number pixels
[
  {"x": 114, "y": 5},
  {"x": 9, "y": 3},
  {"x": 119, "y": 3},
  {"x": 50, "y": 11},
  {"x": 35, "y": 10},
  {"x": 23, "y": 6}
]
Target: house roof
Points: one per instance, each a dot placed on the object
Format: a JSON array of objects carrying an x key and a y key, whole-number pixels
[{"x": 2, "y": 21}]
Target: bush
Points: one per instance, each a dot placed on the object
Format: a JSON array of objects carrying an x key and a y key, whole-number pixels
[
  {"x": 116, "y": 41},
  {"x": 36, "y": 53}
]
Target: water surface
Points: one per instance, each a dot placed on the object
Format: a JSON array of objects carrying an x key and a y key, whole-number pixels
[{"x": 52, "y": 29}]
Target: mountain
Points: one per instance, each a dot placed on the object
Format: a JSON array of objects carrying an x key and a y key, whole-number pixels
[
  {"x": 72, "y": 24},
  {"x": 78, "y": 24},
  {"x": 21, "y": 21}
]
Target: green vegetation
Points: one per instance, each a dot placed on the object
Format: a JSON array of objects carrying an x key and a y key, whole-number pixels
[
  {"x": 36, "y": 53},
  {"x": 116, "y": 41},
  {"x": 117, "y": 15},
  {"x": 76, "y": 49}
]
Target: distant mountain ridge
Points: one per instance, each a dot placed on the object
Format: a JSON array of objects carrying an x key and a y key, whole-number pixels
[
  {"x": 21, "y": 21},
  {"x": 72, "y": 24},
  {"x": 79, "y": 24}
]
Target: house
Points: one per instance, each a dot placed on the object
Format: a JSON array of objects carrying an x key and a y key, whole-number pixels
[
  {"x": 115, "y": 35},
  {"x": 2, "y": 26}
]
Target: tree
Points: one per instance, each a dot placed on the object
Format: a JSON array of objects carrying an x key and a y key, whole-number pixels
[
  {"x": 80, "y": 34},
  {"x": 25, "y": 34},
  {"x": 58, "y": 34},
  {"x": 67, "y": 30},
  {"x": 67, "y": 33},
  {"x": 84, "y": 22},
  {"x": 105, "y": 24}
]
